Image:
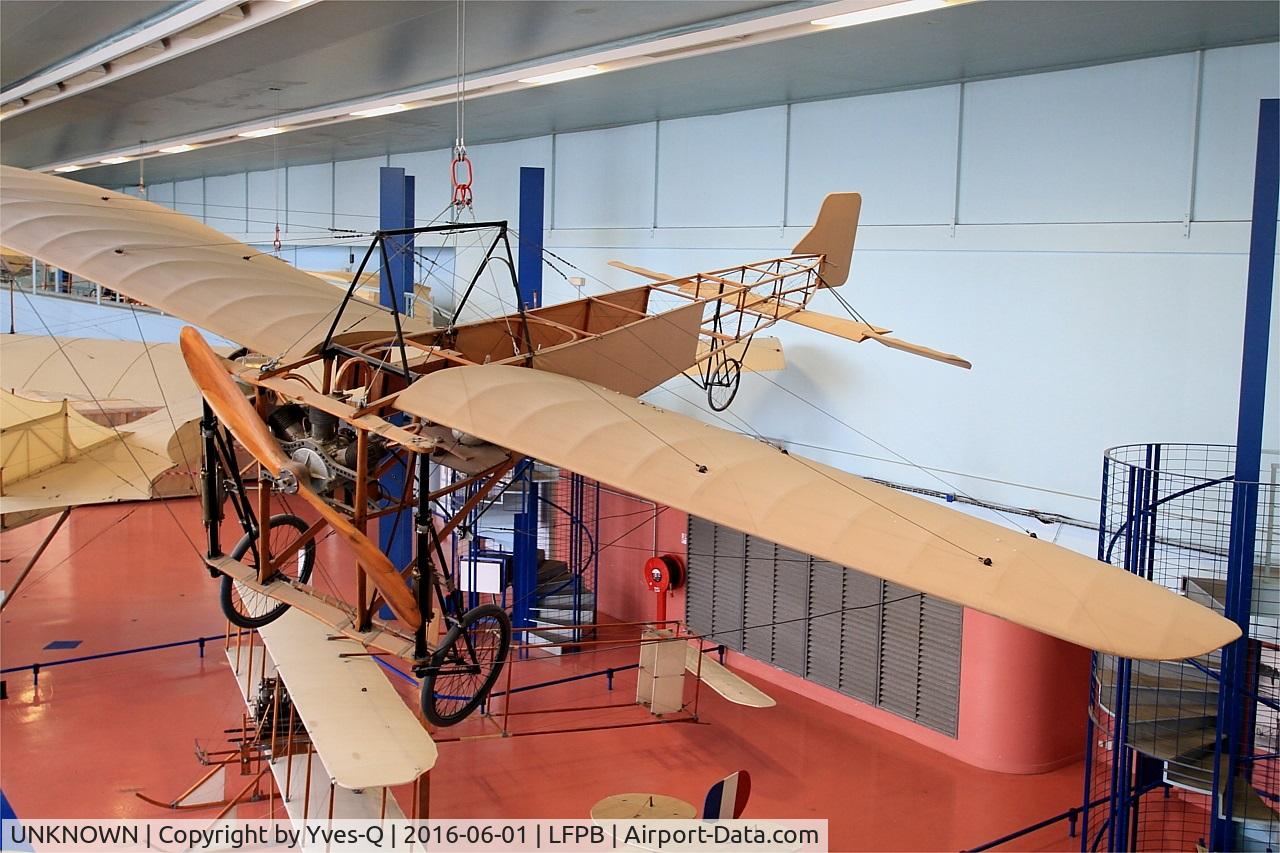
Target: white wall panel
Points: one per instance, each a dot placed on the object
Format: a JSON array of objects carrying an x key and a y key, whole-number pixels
[
  {"x": 1235, "y": 79},
  {"x": 161, "y": 194},
  {"x": 355, "y": 193},
  {"x": 1051, "y": 315},
  {"x": 898, "y": 150},
  {"x": 497, "y": 177},
  {"x": 310, "y": 198},
  {"x": 605, "y": 178},
  {"x": 1108, "y": 143},
  {"x": 267, "y": 201},
  {"x": 723, "y": 170},
  {"x": 431, "y": 187},
  {"x": 225, "y": 201},
  {"x": 189, "y": 197}
]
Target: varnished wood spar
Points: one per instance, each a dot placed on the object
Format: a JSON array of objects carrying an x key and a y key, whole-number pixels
[
  {"x": 231, "y": 407},
  {"x": 481, "y": 494},
  {"x": 264, "y": 507},
  {"x": 288, "y": 553},
  {"x": 338, "y": 615}
]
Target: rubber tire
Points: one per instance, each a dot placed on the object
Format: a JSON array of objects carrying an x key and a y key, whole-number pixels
[
  {"x": 428, "y": 696},
  {"x": 229, "y": 610},
  {"x": 730, "y": 367}
]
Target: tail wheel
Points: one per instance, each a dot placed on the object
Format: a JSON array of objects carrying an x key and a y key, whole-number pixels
[
  {"x": 246, "y": 608},
  {"x": 463, "y": 670},
  {"x": 723, "y": 382}
]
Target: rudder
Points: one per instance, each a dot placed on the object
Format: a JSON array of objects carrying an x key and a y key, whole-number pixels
[{"x": 832, "y": 235}]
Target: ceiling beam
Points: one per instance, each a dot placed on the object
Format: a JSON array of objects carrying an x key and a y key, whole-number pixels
[
  {"x": 713, "y": 39},
  {"x": 197, "y": 26}
]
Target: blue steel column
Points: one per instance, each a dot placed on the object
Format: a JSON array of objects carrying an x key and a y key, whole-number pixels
[
  {"x": 1093, "y": 667},
  {"x": 525, "y": 544},
  {"x": 1244, "y": 504},
  {"x": 395, "y": 210},
  {"x": 532, "y": 185}
]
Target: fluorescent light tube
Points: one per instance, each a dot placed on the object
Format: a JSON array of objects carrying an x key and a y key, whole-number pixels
[
  {"x": 561, "y": 76},
  {"x": 879, "y": 13},
  {"x": 380, "y": 111}
]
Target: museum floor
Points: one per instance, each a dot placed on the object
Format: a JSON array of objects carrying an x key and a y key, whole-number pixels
[{"x": 92, "y": 734}]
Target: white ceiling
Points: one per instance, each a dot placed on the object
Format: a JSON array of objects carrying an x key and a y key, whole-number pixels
[
  {"x": 332, "y": 52},
  {"x": 36, "y": 34}
]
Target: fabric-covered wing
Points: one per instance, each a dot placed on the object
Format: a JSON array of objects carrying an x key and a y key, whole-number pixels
[
  {"x": 360, "y": 727},
  {"x": 174, "y": 263},
  {"x": 147, "y": 458},
  {"x": 98, "y": 372},
  {"x": 737, "y": 481}
]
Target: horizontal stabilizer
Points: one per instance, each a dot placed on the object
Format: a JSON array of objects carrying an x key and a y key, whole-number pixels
[
  {"x": 850, "y": 330},
  {"x": 858, "y": 332},
  {"x": 763, "y": 356},
  {"x": 641, "y": 271},
  {"x": 918, "y": 349}
]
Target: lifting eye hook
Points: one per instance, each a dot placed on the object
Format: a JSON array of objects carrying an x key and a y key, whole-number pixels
[{"x": 461, "y": 174}]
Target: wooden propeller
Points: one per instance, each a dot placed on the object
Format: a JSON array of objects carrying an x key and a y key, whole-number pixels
[{"x": 231, "y": 407}]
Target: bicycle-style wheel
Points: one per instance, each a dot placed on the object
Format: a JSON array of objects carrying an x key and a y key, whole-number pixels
[
  {"x": 463, "y": 670},
  {"x": 246, "y": 608}
]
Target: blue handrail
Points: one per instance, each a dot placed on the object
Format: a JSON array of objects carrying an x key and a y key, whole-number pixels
[{"x": 39, "y": 665}]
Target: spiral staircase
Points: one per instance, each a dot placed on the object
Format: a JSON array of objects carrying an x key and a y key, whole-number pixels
[{"x": 1173, "y": 717}]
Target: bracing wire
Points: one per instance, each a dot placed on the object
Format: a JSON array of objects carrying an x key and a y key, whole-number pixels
[
  {"x": 119, "y": 436},
  {"x": 820, "y": 409}
]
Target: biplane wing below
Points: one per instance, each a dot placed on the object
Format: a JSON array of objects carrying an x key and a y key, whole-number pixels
[
  {"x": 469, "y": 392},
  {"x": 358, "y": 724}
]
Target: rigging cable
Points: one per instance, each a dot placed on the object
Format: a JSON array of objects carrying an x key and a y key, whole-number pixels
[{"x": 460, "y": 171}]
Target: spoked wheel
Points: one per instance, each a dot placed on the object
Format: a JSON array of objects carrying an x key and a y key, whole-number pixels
[
  {"x": 464, "y": 668},
  {"x": 246, "y": 608},
  {"x": 722, "y": 384}
]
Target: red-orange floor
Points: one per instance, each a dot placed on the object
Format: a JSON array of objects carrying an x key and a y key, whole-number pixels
[{"x": 90, "y": 735}]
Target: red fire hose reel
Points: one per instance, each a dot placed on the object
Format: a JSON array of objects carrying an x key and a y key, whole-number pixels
[{"x": 660, "y": 575}]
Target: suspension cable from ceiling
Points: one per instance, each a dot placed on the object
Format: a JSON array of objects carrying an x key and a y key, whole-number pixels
[{"x": 460, "y": 171}]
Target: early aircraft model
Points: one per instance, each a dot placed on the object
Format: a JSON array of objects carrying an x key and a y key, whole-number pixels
[{"x": 331, "y": 392}]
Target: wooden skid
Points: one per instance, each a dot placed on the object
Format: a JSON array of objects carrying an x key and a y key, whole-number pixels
[{"x": 332, "y": 613}]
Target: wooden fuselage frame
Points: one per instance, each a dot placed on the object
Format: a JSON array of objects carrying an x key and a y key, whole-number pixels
[{"x": 610, "y": 339}]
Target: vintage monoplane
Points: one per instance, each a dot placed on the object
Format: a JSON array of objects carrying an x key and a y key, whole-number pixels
[{"x": 331, "y": 392}]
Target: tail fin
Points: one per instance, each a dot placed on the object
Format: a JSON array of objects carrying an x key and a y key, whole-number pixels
[
  {"x": 832, "y": 235},
  {"x": 728, "y": 797}
]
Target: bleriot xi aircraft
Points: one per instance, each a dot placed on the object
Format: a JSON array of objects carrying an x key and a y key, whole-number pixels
[{"x": 331, "y": 391}]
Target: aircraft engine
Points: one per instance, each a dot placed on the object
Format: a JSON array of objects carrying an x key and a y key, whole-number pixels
[{"x": 316, "y": 440}]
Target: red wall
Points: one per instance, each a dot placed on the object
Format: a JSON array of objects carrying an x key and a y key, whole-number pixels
[
  {"x": 626, "y": 540},
  {"x": 1023, "y": 695}
]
